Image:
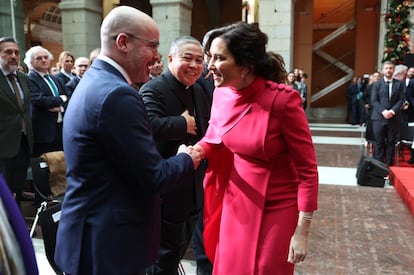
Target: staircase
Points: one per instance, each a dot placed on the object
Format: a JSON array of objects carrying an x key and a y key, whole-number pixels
[{"x": 317, "y": 49}]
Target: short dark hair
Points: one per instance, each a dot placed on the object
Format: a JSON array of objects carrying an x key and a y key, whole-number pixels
[{"x": 7, "y": 39}]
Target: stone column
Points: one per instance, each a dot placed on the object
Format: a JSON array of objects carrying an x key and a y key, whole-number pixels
[
  {"x": 81, "y": 21},
  {"x": 276, "y": 20},
  {"x": 174, "y": 20},
  {"x": 12, "y": 21}
]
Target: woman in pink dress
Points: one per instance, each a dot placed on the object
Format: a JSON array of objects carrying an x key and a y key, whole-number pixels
[{"x": 261, "y": 186}]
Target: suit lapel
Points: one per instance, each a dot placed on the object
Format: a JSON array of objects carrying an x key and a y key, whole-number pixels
[
  {"x": 395, "y": 87},
  {"x": 24, "y": 84},
  {"x": 7, "y": 92}
]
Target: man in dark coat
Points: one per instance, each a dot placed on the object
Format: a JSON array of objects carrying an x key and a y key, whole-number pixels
[{"x": 179, "y": 111}]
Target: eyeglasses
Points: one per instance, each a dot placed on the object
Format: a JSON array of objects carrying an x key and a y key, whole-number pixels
[{"x": 152, "y": 43}]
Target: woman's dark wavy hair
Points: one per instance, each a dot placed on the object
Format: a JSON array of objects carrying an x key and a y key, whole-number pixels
[{"x": 247, "y": 43}]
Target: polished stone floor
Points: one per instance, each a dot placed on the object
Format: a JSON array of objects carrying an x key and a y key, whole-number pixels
[{"x": 357, "y": 229}]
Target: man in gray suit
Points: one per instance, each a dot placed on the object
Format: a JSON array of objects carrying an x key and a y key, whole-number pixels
[
  {"x": 387, "y": 96},
  {"x": 16, "y": 137}
]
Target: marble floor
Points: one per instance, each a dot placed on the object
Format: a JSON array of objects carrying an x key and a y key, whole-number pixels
[{"x": 357, "y": 229}]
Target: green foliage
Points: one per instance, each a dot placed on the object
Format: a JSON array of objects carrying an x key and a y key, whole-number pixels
[{"x": 397, "y": 31}]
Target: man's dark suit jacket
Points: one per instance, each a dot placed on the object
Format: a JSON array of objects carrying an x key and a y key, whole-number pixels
[
  {"x": 11, "y": 115},
  {"x": 166, "y": 99},
  {"x": 409, "y": 95},
  {"x": 42, "y": 99},
  {"x": 111, "y": 212},
  {"x": 380, "y": 100},
  {"x": 71, "y": 85},
  {"x": 63, "y": 78}
]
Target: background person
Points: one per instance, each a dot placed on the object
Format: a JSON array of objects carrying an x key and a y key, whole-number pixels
[
  {"x": 81, "y": 65},
  {"x": 93, "y": 54},
  {"x": 110, "y": 221},
  {"x": 303, "y": 89},
  {"x": 53, "y": 70},
  {"x": 387, "y": 97},
  {"x": 48, "y": 102},
  {"x": 291, "y": 81},
  {"x": 269, "y": 188},
  {"x": 65, "y": 65},
  {"x": 16, "y": 136},
  {"x": 157, "y": 68},
  {"x": 179, "y": 111},
  {"x": 366, "y": 101},
  {"x": 409, "y": 95}
]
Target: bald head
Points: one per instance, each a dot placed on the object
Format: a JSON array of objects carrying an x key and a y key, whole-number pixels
[
  {"x": 130, "y": 38},
  {"x": 81, "y": 65},
  {"x": 125, "y": 19}
]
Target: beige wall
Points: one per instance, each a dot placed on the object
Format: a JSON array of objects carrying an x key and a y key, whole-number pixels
[{"x": 303, "y": 39}]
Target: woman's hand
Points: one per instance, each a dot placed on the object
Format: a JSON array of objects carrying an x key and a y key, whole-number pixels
[
  {"x": 298, "y": 247},
  {"x": 200, "y": 150},
  {"x": 195, "y": 155}
]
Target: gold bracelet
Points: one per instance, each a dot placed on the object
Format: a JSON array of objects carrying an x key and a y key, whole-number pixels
[{"x": 306, "y": 218}]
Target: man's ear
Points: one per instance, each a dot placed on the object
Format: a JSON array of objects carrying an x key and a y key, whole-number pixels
[
  {"x": 170, "y": 58},
  {"x": 121, "y": 42}
]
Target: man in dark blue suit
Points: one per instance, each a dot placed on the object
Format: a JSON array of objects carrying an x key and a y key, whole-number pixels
[
  {"x": 48, "y": 102},
  {"x": 110, "y": 222},
  {"x": 387, "y": 96}
]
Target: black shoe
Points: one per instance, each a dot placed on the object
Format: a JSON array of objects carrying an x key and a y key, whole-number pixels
[{"x": 410, "y": 161}]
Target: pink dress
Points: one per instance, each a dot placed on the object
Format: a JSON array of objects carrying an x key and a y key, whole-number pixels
[{"x": 262, "y": 170}]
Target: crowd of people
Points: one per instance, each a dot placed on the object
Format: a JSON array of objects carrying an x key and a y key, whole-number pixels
[
  {"x": 155, "y": 161},
  {"x": 384, "y": 102},
  {"x": 297, "y": 80}
]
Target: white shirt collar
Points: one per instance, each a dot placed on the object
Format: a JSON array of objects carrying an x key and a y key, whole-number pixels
[
  {"x": 65, "y": 73},
  {"x": 116, "y": 66},
  {"x": 5, "y": 73},
  {"x": 41, "y": 73}
]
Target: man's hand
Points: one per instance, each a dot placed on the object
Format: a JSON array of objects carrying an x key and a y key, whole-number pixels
[
  {"x": 54, "y": 109},
  {"x": 191, "y": 123},
  {"x": 195, "y": 155},
  {"x": 387, "y": 114}
]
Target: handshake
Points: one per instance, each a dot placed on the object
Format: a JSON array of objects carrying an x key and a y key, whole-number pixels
[{"x": 196, "y": 153}]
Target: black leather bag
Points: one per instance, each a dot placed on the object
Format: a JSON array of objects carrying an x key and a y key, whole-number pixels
[{"x": 49, "y": 218}]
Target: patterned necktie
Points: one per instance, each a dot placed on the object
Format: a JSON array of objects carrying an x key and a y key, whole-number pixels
[
  {"x": 52, "y": 85},
  {"x": 19, "y": 99}
]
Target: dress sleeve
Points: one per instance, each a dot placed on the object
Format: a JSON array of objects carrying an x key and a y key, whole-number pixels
[{"x": 297, "y": 135}]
